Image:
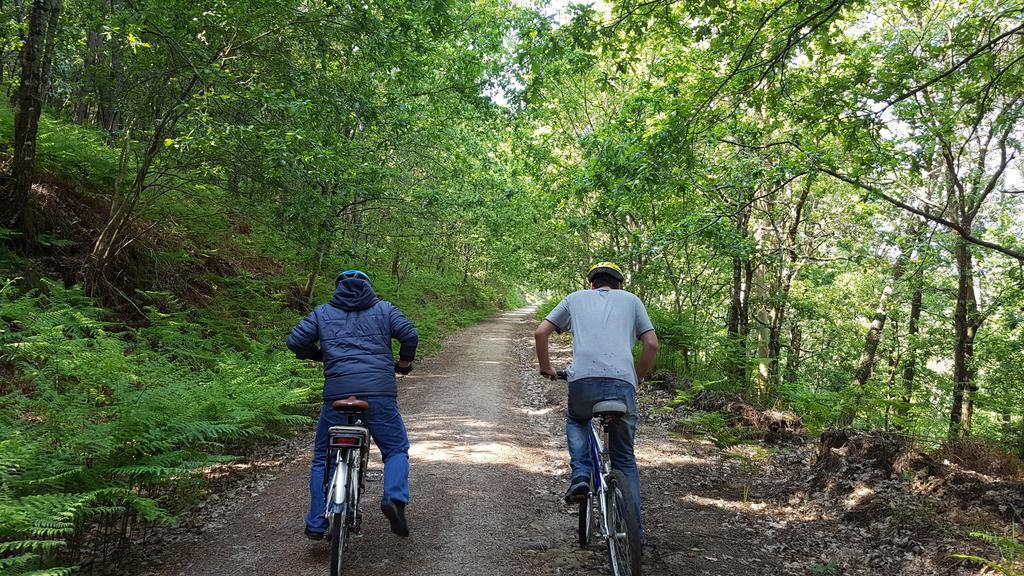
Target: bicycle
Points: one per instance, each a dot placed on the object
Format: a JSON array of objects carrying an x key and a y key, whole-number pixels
[
  {"x": 348, "y": 449},
  {"x": 618, "y": 523}
]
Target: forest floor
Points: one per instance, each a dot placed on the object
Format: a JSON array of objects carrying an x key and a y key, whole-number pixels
[{"x": 488, "y": 470}]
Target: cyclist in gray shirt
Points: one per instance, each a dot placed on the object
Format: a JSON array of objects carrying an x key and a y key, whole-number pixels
[{"x": 606, "y": 322}]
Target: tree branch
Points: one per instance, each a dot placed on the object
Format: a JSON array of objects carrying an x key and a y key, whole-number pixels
[
  {"x": 956, "y": 228},
  {"x": 958, "y": 65}
]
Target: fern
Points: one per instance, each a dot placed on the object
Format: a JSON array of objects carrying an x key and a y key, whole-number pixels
[
  {"x": 67, "y": 571},
  {"x": 114, "y": 418},
  {"x": 1011, "y": 552}
]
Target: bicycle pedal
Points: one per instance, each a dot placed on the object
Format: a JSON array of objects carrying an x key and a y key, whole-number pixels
[{"x": 374, "y": 475}]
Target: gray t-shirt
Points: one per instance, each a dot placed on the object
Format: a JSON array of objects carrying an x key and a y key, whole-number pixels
[{"x": 605, "y": 324}]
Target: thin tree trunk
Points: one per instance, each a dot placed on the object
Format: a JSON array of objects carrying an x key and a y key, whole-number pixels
[
  {"x": 48, "y": 46},
  {"x": 966, "y": 326},
  {"x": 894, "y": 363},
  {"x": 789, "y": 269},
  {"x": 910, "y": 366},
  {"x": 762, "y": 375},
  {"x": 866, "y": 363},
  {"x": 3, "y": 56},
  {"x": 93, "y": 45},
  {"x": 396, "y": 259},
  {"x": 108, "y": 114},
  {"x": 735, "y": 360},
  {"x": 775, "y": 316},
  {"x": 28, "y": 105},
  {"x": 793, "y": 356},
  {"x": 314, "y": 273},
  {"x": 737, "y": 321}
]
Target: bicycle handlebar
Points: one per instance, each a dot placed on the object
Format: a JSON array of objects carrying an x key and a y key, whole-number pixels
[{"x": 561, "y": 375}]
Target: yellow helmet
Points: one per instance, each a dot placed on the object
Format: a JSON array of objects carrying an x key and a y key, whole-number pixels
[{"x": 610, "y": 268}]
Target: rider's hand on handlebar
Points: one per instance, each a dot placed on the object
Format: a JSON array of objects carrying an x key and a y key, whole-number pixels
[
  {"x": 549, "y": 373},
  {"x": 403, "y": 367},
  {"x": 316, "y": 355}
]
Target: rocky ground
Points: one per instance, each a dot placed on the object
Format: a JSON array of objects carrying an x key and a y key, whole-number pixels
[{"x": 489, "y": 468}]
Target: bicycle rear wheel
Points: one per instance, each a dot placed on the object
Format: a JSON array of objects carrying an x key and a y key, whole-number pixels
[
  {"x": 624, "y": 551},
  {"x": 339, "y": 537},
  {"x": 586, "y": 527},
  {"x": 340, "y": 522}
]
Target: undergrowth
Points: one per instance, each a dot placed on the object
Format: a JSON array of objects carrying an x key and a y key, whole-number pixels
[
  {"x": 106, "y": 426},
  {"x": 98, "y": 418},
  {"x": 1011, "y": 553}
]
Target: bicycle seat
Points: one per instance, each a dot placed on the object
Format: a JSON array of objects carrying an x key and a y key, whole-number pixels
[
  {"x": 610, "y": 408},
  {"x": 350, "y": 404}
]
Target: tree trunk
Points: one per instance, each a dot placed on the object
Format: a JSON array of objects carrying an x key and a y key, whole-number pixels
[
  {"x": 894, "y": 363},
  {"x": 108, "y": 114},
  {"x": 910, "y": 366},
  {"x": 467, "y": 252},
  {"x": 28, "y": 105},
  {"x": 966, "y": 326},
  {"x": 90, "y": 62},
  {"x": 396, "y": 259},
  {"x": 737, "y": 368},
  {"x": 866, "y": 363},
  {"x": 314, "y": 273},
  {"x": 48, "y": 46},
  {"x": 763, "y": 375},
  {"x": 122, "y": 206},
  {"x": 789, "y": 268},
  {"x": 738, "y": 319},
  {"x": 777, "y": 316},
  {"x": 793, "y": 357},
  {"x": 3, "y": 56},
  {"x": 867, "y": 356}
]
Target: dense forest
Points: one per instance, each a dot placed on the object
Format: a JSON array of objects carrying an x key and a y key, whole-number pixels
[{"x": 821, "y": 203}]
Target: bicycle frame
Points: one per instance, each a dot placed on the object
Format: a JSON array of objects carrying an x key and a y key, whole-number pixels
[
  {"x": 347, "y": 475},
  {"x": 600, "y": 468}
]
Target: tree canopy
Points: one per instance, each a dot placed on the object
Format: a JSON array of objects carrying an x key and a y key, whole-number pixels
[{"x": 822, "y": 204}]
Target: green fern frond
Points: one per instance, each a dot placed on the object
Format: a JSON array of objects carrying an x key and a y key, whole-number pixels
[
  {"x": 11, "y": 564},
  {"x": 63, "y": 571},
  {"x": 22, "y": 546}
]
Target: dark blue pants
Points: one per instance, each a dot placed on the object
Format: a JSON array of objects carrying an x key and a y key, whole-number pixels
[
  {"x": 388, "y": 431},
  {"x": 583, "y": 394}
]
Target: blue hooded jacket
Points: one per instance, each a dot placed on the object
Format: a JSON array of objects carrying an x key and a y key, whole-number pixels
[{"x": 355, "y": 330}]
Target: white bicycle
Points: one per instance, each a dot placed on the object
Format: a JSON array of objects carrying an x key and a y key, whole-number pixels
[{"x": 348, "y": 449}]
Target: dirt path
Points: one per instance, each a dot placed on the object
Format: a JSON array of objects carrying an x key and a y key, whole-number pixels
[
  {"x": 482, "y": 475},
  {"x": 488, "y": 468}
]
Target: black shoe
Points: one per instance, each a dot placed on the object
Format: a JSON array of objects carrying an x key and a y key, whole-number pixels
[
  {"x": 315, "y": 535},
  {"x": 395, "y": 511},
  {"x": 579, "y": 489}
]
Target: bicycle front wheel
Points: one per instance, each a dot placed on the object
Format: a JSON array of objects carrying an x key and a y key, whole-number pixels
[{"x": 624, "y": 551}]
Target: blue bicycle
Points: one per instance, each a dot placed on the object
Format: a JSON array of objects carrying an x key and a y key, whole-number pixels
[{"x": 611, "y": 498}]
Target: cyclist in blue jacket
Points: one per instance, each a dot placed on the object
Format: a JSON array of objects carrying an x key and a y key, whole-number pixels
[{"x": 354, "y": 331}]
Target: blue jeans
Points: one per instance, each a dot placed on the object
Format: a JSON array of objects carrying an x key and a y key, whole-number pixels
[
  {"x": 583, "y": 394},
  {"x": 388, "y": 431}
]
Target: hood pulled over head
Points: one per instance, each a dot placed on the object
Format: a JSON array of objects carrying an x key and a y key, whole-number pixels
[{"x": 353, "y": 294}]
